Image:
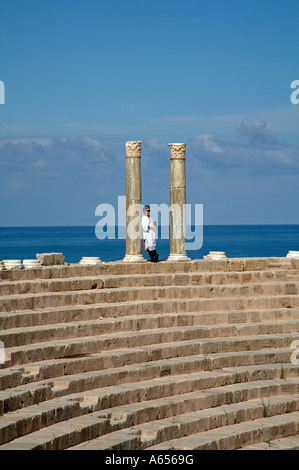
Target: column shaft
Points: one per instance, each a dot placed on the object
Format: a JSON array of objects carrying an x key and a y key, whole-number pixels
[
  {"x": 177, "y": 203},
  {"x": 133, "y": 202}
]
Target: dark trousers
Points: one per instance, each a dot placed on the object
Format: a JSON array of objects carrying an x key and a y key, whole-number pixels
[{"x": 153, "y": 255}]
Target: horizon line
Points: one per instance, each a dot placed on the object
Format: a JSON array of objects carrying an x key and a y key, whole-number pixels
[{"x": 192, "y": 225}]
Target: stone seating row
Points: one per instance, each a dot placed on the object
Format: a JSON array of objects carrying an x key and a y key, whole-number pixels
[
  {"x": 171, "y": 356},
  {"x": 168, "y": 406},
  {"x": 20, "y": 287},
  {"x": 118, "y": 268}
]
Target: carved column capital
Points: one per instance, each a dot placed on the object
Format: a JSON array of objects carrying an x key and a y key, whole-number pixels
[
  {"x": 133, "y": 149},
  {"x": 177, "y": 150}
]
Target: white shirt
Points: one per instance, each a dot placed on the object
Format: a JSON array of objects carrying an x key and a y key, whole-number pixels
[{"x": 149, "y": 235}]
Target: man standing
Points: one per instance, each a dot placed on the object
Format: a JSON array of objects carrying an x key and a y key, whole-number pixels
[{"x": 149, "y": 231}]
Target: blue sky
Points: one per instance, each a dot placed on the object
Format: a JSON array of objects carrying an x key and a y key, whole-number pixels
[{"x": 83, "y": 77}]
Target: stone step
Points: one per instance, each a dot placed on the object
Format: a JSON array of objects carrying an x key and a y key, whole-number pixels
[
  {"x": 120, "y": 440},
  {"x": 37, "y": 334},
  {"x": 63, "y": 435},
  {"x": 120, "y": 315},
  {"x": 141, "y": 372},
  {"x": 236, "y": 436},
  {"x": 133, "y": 414},
  {"x": 85, "y": 297},
  {"x": 32, "y": 418},
  {"x": 51, "y": 369},
  {"x": 141, "y": 322},
  {"x": 114, "y": 396},
  {"x": 284, "y": 443},
  {"x": 120, "y": 268},
  {"x": 27, "y": 394},
  {"x": 188, "y": 424},
  {"x": 70, "y": 347},
  {"x": 119, "y": 309},
  {"x": 205, "y": 420},
  {"x": 146, "y": 280},
  {"x": 24, "y": 396},
  {"x": 115, "y": 311},
  {"x": 27, "y": 420},
  {"x": 10, "y": 378},
  {"x": 292, "y": 274},
  {"x": 76, "y": 432}
]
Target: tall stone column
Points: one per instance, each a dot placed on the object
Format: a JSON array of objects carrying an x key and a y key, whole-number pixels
[
  {"x": 177, "y": 202},
  {"x": 133, "y": 202}
]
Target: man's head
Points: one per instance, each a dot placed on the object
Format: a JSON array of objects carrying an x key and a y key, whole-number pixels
[{"x": 147, "y": 210}]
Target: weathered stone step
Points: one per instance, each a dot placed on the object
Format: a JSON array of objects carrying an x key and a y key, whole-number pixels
[
  {"x": 284, "y": 443},
  {"x": 40, "y": 371},
  {"x": 63, "y": 435},
  {"x": 110, "y": 397},
  {"x": 145, "y": 280},
  {"x": 30, "y": 335},
  {"x": 133, "y": 373},
  {"x": 114, "y": 313},
  {"x": 133, "y": 414},
  {"x": 34, "y": 417},
  {"x": 168, "y": 305},
  {"x": 77, "y": 431},
  {"x": 141, "y": 372},
  {"x": 10, "y": 378},
  {"x": 121, "y": 268},
  {"x": 27, "y": 420},
  {"x": 292, "y": 274},
  {"x": 200, "y": 421},
  {"x": 85, "y": 297},
  {"x": 179, "y": 341},
  {"x": 235, "y": 436},
  {"x": 25, "y": 395},
  {"x": 121, "y": 440},
  {"x": 205, "y": 420},
  {"x": 88, "y": 345}
]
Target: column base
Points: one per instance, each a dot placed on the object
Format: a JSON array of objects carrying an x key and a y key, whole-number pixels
[
  {"x": 178, "y": 257},
  {"x": 138, "y": 258},
  {"x": 216, "y": 255}
]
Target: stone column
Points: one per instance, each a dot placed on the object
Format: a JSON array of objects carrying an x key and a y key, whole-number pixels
[
  {"x": 133, "y": 202},
  {"x": 177, "y": 202}
]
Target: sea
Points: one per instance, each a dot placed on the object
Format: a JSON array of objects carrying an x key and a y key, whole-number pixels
[{"x": 76, "y": 242}]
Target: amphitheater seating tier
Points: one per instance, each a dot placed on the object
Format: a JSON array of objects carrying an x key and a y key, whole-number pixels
[{"x": 183, "y": 355}]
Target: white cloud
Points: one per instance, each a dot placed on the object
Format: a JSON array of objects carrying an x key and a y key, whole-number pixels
[
  {"x": 39, "y": 163},
  {"x": 208, "y": 143},
  {"x": 27, "y": 161},
  {"x": 27, "y": 142},
  {"x": 259, "y": 135},
  {"x": 257, "y": 149}
]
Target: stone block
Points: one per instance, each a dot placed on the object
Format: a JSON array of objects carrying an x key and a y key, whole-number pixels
[
  {"x": 236, "y": 264},
  {"x": 295, "y": 263},
  {"x": 50, "y": 259}
]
